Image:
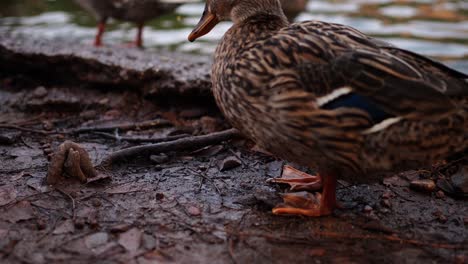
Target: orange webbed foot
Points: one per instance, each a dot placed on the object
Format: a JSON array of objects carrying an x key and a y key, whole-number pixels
[
  {"x": 298, "y": 180},
  {"x": 306, "y": 203}
]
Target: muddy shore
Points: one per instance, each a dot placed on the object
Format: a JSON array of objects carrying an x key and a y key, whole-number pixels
[{"x": 180, "y": 206}]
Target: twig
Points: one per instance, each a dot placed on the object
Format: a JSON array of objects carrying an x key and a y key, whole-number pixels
[
  {"x": 188, "y": 143},
  {"x": 42, "y": 132},
  {"x": 141, "y": 139},
  {"x": 127, "y": 126},
  {"x": 71, "y": 199}
]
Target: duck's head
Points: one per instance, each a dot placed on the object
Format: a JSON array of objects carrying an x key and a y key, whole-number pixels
[{"x": 233, "y": 10}]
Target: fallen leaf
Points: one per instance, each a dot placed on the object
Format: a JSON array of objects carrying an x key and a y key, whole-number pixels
[
  {"x": 65, "y": 227},
  {"x": 230, "y": 163},
  {"x": 7, "y": 194},
  {"x": 19, "y": 176},
  {"x": 131, "y": 239},
  {"x": 20, "y": 212},
  {"x": 95, "y": 240}
]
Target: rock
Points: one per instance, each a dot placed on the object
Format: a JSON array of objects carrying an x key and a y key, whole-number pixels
[
  {"x": 230, "y": 163},
  {"x": 426, "y": 185}
]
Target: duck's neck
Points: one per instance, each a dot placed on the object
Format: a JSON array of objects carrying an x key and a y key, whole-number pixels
[
  {"x": 247, "y": 9},
  {"x": 259, "y": 26}
]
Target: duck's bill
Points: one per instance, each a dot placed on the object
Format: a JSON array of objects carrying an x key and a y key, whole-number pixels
[{"x": 206, "y": 24}]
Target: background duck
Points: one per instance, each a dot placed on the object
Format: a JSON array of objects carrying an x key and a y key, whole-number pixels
[
  {"x": 329, "y": 97},
  {"x": 136, "y": 11},
  {"x": 292, "y": 8}
]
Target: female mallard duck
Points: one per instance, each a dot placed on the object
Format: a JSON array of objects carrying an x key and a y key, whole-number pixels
[
  {"x": 137, "y": 11},
  {"x": 327, "y": 96},
  {"x": 292, "y": 8}
]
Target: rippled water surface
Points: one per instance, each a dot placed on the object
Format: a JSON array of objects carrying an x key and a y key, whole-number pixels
[{"x": 436, "y": 28}]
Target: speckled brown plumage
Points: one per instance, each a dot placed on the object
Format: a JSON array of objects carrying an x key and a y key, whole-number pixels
[{"x": 274, "y": 82}]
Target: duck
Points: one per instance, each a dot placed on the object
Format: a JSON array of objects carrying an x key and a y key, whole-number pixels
[
  {"x": 292, "y": 8},
  {"x": 136, "y": 11},
  {"x": 331, "y": 98}
]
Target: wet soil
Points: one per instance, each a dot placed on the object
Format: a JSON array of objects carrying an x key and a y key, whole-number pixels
[{"x": 208, "y": 205}]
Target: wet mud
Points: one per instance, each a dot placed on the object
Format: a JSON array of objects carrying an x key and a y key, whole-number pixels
[{"x": 211, "y": 204}]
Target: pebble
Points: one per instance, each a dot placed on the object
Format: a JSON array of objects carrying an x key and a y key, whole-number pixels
[
  {"x": 40, "y": 92},
  {"x": 96, "y": 203},
  {"x": 193, "y": 211},
  {"x": 440, "y": 194},
  {"x": 368, "y": 209},
  {"x": 47, "y": 125},
  {"x": 426, "y": 185},
  {"x": 159, "y": 196},
  {"x": 41, "y": 224},
  {"x": 386, "y": 203}
]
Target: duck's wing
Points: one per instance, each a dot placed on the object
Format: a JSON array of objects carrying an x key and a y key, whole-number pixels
[{"x": 398, "y": 82}]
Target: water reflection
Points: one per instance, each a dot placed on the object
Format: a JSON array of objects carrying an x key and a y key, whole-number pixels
[{"x": 435, "y": 28}]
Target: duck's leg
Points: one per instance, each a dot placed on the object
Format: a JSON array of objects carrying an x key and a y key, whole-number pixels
[
  {"x": 100, "y": 31},
  {"x": 308, "y": 204},
  {"x": 139, "y": 36},
  {"x": 298, "y": 180}
]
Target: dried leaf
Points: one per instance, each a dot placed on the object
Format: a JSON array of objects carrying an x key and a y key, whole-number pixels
[
  {"x": 7, "y": 194},
  {"x": 20, "y": 212},
  {"x": 65, "y": 227},
  {"x": 96, "y": 240},
  {"x": 131, "y": 239}
]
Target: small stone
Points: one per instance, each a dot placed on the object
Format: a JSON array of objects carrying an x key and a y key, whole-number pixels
[
  {"x": 367, "y": 209},
  {"x": 41, "y": 224},
  {"x": 423, "y": 185},
  {"x": 47, "y": 125},
  {"x": 159, "y": 159},
  {"x": 93, "y": 223},
  {"x": 440, "y": 194},
  {"x": 193, "y": 211},
  {"x": 48, "y": 151},
  {"x": 386, "y": 203},
  {"x": 387, "y": 195},
  {"x": 79, "y": 223},
  {"x": 230, "y": 163},
  {"x": 40, "y": 92},
  {"x": 96, "y": 203},
  {"x": 442, "y": 218},
  {"x": 159, "y": 196}
]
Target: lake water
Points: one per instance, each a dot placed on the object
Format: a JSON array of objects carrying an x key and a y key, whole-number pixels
[{"x": 434, "y": 28}]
